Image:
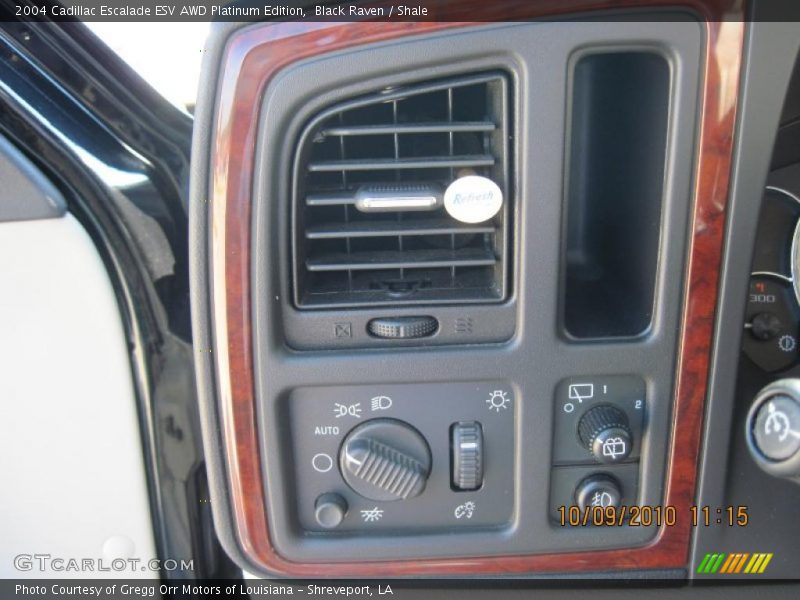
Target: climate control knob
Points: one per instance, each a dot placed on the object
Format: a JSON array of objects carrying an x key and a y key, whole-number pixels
[
  {"x": 385, "y": 459},
  {"x": 605, "y": 432}
]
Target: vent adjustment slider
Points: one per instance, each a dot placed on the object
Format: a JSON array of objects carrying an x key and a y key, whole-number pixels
[
  {"x": 398, "y": 197},
  {"x": 402, "y": 328}
]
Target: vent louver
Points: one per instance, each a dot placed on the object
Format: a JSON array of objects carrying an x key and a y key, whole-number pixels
[{"x": 401, "y": 246}]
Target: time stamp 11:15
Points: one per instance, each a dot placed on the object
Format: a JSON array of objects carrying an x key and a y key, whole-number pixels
[
  {"x": 647, "y": 516},
  {"x": 733, "y": 516}
]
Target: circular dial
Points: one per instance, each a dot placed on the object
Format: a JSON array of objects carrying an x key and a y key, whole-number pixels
[
  {"x": 772, "y": 319},
  {"x": 771, "y": 322},
  {"x": 773, "y": 428},
  {"x": 599, "y": 491},
  {"x": 385, "y": 459},
  {"x": 604, "y": 431}
]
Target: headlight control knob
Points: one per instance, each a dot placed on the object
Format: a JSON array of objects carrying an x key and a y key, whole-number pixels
[
  {"x": 773, "y": 429},
  {"x": 605, "y": 432},
  {"x": 385, "y": 459}
]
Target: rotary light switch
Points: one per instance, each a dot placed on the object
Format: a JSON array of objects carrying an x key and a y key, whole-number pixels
[
  {"x": 466, "y": 443},
  {"x": 385, "y": 459}
]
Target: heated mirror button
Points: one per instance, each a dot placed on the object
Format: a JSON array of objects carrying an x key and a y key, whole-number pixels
[
  {"x": 466, "y": 444},
  {"x": 402, "y": 328}
]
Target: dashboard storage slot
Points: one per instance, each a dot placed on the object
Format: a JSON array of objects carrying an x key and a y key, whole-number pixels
[{"x": 615, "y": 185}]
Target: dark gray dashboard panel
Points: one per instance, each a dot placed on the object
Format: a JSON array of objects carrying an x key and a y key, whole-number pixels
[
  {"x": 728, "y": 475},
  {"x": 537, "y": 357},
  {"x": 320, "y": 421}
]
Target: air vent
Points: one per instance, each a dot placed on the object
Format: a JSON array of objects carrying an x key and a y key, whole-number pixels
[{"x": 369, "y": 223}]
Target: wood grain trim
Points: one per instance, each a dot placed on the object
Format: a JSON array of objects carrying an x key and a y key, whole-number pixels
[{"x": 252, "y": 57}]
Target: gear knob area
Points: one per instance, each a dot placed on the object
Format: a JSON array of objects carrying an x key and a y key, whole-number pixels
[{"x": 772, "y": 429}]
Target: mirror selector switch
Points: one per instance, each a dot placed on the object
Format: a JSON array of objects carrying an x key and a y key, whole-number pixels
[
  {"x": 605, "y": 432},
  {"x": 385, "y": 459},
  {"x": 466, "y": 444}
]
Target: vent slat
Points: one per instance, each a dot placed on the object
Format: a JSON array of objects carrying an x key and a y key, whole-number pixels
[
  {"x": 390, "y": 228},
  {"x": 410, "y": 259},
  {"x": 333, "y": 199},
  {"x": 430, "y": 162},
  {"x": 407, "y": 128}
]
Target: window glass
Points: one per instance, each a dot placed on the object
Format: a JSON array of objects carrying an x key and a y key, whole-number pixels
[{"x": 166, "y": 55}]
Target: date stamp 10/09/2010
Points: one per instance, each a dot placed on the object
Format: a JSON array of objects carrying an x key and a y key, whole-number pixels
[{"x": 649, "y": 516}]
